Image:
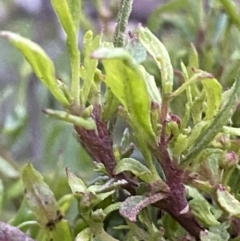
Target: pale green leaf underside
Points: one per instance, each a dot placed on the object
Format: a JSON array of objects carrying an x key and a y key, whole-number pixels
[
  {"x": 228, "y": 202},
  {"x": 160, "y": 55},
  {"x": 134, "y": 166}
]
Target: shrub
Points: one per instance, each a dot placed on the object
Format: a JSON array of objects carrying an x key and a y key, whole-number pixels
[{"x": 184, "y": 185}]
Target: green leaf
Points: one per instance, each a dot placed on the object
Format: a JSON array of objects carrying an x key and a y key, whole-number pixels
[
  {"x": 68, "y": 12},
  {"x": 180, "y": 145},
  {"x": 84, "y": 235},
  {"x": 40, "y": 198},
  {"x": 126, "y": 81},
  {"x": 134, "y": 204},
  {"x": 209, "y": 236},
  {"x": 234, "y": 131},
  {"x": 160, "y": 55},
  {"x": 75, "y": 183},
  {"x": 222, "y": 230},
  {"x": 202, "y": 210},
  {"x": 110, "y": 106},
  {"x": 153, "y": 90},
  {"x": 88, "y": 124},
  {"x": 61, "y": 231},
  {"x": 134, "y": 166},
  {"x": 196, "y": 132},
  {"x": 90, "y": 65},
  {"x": 227, "y": 202},
  {"x": 213, "y": 91},
  {"x": 193, "y": 57},
  {"x": 228, "y": 106},
  {"x": 111, "y": 208},
  {"x": 40, "y": 62}
]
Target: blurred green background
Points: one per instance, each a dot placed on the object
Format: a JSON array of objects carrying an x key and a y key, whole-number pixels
[{"x": 27, "y": 135}]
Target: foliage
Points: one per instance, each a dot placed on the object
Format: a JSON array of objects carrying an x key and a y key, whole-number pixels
[{"x": 184, "y": 183}]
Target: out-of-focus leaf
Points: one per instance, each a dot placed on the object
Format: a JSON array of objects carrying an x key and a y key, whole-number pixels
[
  {"x": 222, "y": 230},
  {"x": 199, "y": 75},
  {"x": 202, "y": 210},
  {"x": 193, "y": 58},
  {"x": 227, "y": 201},
  {"x": 234, "y": 131},
  {"x": 40, "y": 198},
  {"x": 168, "y": 7},
  {"x": 180, "y": 145},
  {"x": 137, "y": 51},
  {"x": 75, "y": 183},
  {"x": 84, "y": 235},
  {"x": 40, "y": 62},
  {"x": 8, "y": 170},
  {"x": 134, "y": 166},
  {"x": 61, "y": 231},
  {"x": 1, "y": 195},
  {"x": 160, "y": 55},
  {"x": 126, "y": 81},
  {"x": 111, "y": 208},
  {"x": 209, "y": 236},
  {"x": 134, "y": 204},
  {"x": 24, "y": 214},
  {"x": 172, "y": 227},
  {"x": 88, "y": 123},
  {"x": 213, "y": 91},
  {"x": 227, "y": 109}
]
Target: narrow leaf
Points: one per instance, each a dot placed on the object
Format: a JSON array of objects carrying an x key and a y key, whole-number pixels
[
  {"x": 234, "y": 131},
  {"x": 90, "y": 65},
  {"x": 160, "y": 55},
  {"x": 227, "y": 109},
  {"x": 88, "y": 123},
  {"x": 40, "y": 198},
  {"x": 64, "y": 13},
  {"x": 40, "y": 62},
  {"x": 68, "y": 13},
  {"x": 213, "y": 91}
]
